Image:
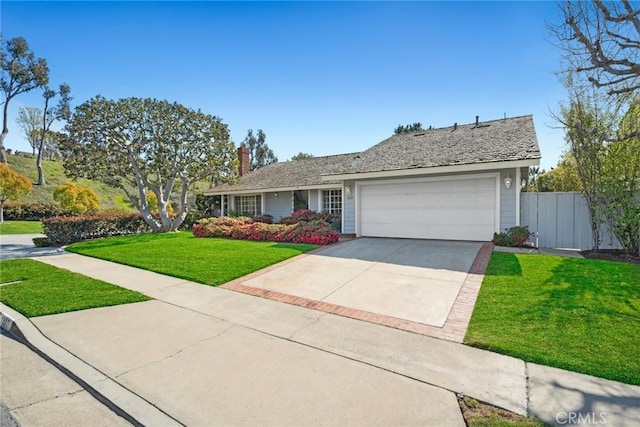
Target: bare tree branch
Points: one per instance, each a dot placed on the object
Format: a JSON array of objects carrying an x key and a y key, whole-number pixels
[{"x": 601, "y": 42}]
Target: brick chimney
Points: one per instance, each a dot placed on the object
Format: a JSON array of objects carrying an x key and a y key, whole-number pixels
[{"x": 243, "y": 158}]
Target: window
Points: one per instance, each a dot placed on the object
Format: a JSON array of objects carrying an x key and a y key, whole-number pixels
[
  {"x": 332, "y": 201},
  {"x": 248, "y": 205}
]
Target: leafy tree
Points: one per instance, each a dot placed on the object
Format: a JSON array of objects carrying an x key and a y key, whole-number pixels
[
  {"x": 588, "y": 126},
  {"x": 260, "y": 154},
  {"x": 21, "y": 72},
  {"x": 564, "y": 177},
  {"x": 12, "y": 186},
  {"x": 302, "y": 156},
  {"x": 29, "y": 120},
  {"x": 534, "y": 172},
  {"x": 149, "y": 145},
  {"x": 49, "y": 115},
  {"x": 76, "y": 198},
  {"x": 620, "y": 190},
  {"x": 601, "y": 40},
  {"x": 415, "y": 127}
]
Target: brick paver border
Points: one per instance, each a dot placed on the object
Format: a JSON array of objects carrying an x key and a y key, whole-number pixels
[{"x": 454, "y": 328}]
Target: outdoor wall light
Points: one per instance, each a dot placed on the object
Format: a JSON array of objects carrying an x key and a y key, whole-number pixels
[
  {"x": 347, "y": 190},
  {"x": 507, "y": 181},
  {"x": 276, "y": 194},
  {"x": 523, "y": 183}
]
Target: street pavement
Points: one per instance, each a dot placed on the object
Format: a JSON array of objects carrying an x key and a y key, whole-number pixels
[
  {"x": 35, "y": 393},
  {"x": 21, "y": 246}
]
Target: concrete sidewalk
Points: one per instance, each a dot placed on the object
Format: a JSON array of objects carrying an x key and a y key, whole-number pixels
[{"x": 209, "y": 354}]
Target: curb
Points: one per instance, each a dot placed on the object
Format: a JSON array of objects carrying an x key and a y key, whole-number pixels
[{"x": 117, "y": 398}]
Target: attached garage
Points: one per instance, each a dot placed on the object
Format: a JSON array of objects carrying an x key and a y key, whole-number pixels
[{"x": 451, "y": 208}]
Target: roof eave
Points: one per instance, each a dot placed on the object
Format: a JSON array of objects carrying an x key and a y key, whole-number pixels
[
  {"x": 214, "y": 192},
  {"x": 435, "y": 170}
]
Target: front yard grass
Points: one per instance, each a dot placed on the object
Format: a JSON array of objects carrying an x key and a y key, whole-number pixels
[
  {"x": 204, "y": 260},
  {"x": 21, "y": 227},
  {"x": 38, "y": 289},
  {"x": 577, "y": 314}
]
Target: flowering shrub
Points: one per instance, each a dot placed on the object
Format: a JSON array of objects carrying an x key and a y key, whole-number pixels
[
  {"x": 69, "y": 229},
  {"x": 514, "y": 236},
  {"x": 307, "y": 215},
  {"x": 266, "y": 218},
  {"x": 244, "y": 228}
]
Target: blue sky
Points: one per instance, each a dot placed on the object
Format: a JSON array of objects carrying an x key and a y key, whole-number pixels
[{"x": 323, "y": 78}]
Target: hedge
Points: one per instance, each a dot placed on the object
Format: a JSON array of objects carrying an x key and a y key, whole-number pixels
[
  {"x": 244, "y": 228},
  {"x": 68, "y": 229},
  {"x": 16, "y": 211}
]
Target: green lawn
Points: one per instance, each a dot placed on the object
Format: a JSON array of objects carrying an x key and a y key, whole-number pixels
[
  {"x": 203, "y": 260},
  {"x": 577, "y": 314},
  {"x": 21, "y": 227},
  {"x": 41, "y": 289}
]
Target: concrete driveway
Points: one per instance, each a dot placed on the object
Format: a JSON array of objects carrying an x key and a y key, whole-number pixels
[{"x": 415, "y": 280}]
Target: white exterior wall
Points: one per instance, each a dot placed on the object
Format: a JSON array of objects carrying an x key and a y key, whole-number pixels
[
  {"x": 508, "y": 199},
  {"x": 280, "y": 206},
  {"x": 349, "y": 208},
  {"x": 313, "y": 200}
]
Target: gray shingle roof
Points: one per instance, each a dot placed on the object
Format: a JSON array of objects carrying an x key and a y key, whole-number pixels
[
  {"x": 291, "y": 174},
  {"x": 492, "y": 141}
]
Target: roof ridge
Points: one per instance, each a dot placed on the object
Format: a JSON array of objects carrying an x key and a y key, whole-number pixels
[
  {"x": 474, "y": 123},
  {"x": 323, "y": 157}
]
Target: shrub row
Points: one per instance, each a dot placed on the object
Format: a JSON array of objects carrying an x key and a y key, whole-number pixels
[
  {"x": 68, "y": 229},
  {"x": 245, "y": 228},
  {"x": 32, "y": 211}
]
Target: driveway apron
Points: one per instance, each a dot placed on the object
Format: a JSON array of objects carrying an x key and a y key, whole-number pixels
[{"x": 415, "y": 280}]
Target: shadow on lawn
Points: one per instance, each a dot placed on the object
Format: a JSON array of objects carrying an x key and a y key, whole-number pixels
[
  {"x": 595, "y": 287},
  {"x": 509, "y": 265},
  {"x": 109, "y": 242}
]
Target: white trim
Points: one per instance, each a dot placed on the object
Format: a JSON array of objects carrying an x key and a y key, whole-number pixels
[
  {"x": 262, "y": 203},
  {"x": 272, "y": 190},
  {"x": 321, "y": 200},
  {"x": 433, "y": 170},
  {"x": 494, "y": 175},
  {"x": 342, "y": 208},
  {"x": 518, "y": 190}
]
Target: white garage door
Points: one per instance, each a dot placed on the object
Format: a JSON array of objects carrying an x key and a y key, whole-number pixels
[{"x": 458, "y": 209}]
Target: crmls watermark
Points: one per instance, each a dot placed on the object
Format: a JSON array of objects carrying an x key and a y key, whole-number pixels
[{"x": 580, "y": 418}]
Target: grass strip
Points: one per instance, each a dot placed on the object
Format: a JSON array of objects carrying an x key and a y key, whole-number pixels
[{"x": 41, "y": 289}]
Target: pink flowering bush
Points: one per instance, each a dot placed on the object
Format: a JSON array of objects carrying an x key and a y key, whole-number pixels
[
  {"x": 316, "y": 232},
  {"x": 307, "y": 215}
]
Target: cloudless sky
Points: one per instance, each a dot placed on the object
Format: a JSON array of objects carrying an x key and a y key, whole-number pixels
[{"x": 319, "y": 77}]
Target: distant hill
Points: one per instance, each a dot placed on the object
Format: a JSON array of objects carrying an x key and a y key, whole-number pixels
[{"x": 54, "y": 175}]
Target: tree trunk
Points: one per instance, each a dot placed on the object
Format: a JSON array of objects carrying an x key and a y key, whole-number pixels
[
  {"x": 5, "y": 131},
  {"x": 39, "y": 166},
  {"x": 1, "y": 212}
]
